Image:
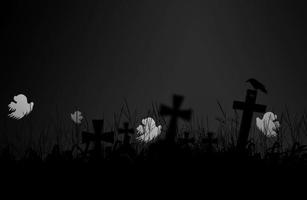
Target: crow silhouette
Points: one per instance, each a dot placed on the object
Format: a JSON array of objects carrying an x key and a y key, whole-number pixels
[{"x": 257, "y": 85}]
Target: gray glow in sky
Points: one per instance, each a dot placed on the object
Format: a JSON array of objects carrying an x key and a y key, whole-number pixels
[{"x": 93, "y": 55}]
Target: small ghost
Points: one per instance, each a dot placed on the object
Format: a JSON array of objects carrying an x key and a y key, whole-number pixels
[
  {"x": 20, "y": 107},
  {"x": 268, "y": 125},
  {"x": 76, "y": 117},
  {"x": 148, "y": 130}
]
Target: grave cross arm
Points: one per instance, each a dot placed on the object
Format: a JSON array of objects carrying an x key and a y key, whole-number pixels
[
  {"x": 126, "y": 129},
  {"x": 248, "y": 107},
  {"x": 175, "y": 113},
  {"x": 238, "y": 105},
  {"x": 97, "y": 137}
]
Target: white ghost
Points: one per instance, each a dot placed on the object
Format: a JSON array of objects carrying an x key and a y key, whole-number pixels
[
  {"x": 76, "y": 117},
  {"x": 268, "y": 125},
  {"x": 20, "y": 107},
  {"x": 148, "y": 130}
]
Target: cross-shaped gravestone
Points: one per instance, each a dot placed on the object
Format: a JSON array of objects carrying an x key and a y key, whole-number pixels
[
  {"x": 126, "y": 131},
  {"x": 175, "y": 113},
  {"x": 210, "y": 141},
  {"x": 248, "y": 107},
  {"x": 97, "y": 137}
]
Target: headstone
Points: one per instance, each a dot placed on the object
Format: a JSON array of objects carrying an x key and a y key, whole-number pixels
[
  {"x": 97, "y": 137},
  {"x": 248, "y": 107},
  {"x": 175, "y": 113},
  {"x": 126, "y": 132}
]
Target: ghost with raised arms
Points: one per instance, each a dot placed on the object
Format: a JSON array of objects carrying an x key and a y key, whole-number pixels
[
  {"x": 20, "y": 107},
  {"x": 268, "y": 125},
  {"x": 148, "y": 130}
]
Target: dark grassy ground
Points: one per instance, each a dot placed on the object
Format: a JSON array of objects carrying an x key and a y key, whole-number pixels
[{"x": 65, "y": 153}]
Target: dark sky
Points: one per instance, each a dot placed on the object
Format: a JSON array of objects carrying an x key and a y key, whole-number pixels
[{"x": 93, "y": 54}]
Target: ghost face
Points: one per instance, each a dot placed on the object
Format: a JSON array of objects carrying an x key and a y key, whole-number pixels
[{"x": 20, "y": 98}]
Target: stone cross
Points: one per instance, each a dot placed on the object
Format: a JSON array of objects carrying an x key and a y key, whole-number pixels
[
  {"x": 97, "y": 137},
  {"x": 248, "y": 107},
  {"x": 126, "y": 131},
  {"x": 175, "y": 113}
]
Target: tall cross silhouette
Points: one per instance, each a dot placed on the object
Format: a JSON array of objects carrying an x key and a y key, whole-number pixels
[
  {"x": 175, "y": 113},
  {"x": 248, "y": 107},
  {"x": 97, "y": 137}
]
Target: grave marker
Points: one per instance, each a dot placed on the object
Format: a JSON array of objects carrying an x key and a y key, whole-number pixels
[
  {"x": 248, "y": 107},
  {"x": 126, "y": 132},
  {"x": 175, "y": 113},
  {"x": 97, "y": 137}
]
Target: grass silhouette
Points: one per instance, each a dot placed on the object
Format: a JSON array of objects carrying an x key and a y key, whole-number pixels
[{"x": 56, "y": 144}]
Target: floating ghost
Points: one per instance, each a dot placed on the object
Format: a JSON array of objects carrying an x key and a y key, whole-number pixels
[
  {"x": 20, "y": 107},
  {"x": 268, "y": 125},
  {"x": 148, "y": 130},
  {"x": 76, "y": 117}
]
